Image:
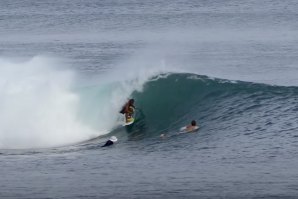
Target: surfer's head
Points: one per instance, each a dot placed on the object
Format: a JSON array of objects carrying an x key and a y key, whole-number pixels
[
  {"x": 131, "y": 101},
  {"x": 193, "y": 123}
]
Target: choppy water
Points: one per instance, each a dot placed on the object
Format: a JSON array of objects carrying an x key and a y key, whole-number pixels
[{"x": 67, "y": 67}]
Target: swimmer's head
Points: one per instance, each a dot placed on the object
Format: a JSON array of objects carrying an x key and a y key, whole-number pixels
[{"x": 193, "y": 123}]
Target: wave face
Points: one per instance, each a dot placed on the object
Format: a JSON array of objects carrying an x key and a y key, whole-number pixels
[{"x": 168, "y": 103}]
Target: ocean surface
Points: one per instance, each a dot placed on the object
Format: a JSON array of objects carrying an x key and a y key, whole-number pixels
[{"x": 68, "y": 66}]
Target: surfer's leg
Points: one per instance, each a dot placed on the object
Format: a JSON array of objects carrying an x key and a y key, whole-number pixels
[{"x": 126, "y": 117}]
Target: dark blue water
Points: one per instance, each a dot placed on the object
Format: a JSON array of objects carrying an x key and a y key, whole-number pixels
[{"x": 67, "y": 67}]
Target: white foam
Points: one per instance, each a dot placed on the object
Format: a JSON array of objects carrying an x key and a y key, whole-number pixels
[{"x": 37, "y": 107}]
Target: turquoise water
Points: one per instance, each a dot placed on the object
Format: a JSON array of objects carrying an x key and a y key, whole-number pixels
[{"x": 67, "y": 67}]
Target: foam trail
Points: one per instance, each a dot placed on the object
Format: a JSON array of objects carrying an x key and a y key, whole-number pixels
[{"x": 37, "y": 107}]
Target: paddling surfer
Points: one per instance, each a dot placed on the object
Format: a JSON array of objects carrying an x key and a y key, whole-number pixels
[{"x": 192, "y": 126}]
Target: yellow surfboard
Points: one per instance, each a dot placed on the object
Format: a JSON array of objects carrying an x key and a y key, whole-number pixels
[{"x": 129, "y": 122}]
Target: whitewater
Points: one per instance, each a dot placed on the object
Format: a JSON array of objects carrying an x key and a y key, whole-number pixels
[{"x": 67, "y": 68}]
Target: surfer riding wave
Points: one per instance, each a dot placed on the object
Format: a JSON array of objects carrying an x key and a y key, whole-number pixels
[{"x": 128, "y": 110}]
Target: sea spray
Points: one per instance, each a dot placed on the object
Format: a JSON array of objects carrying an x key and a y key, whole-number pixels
[
  {"x": 43, "y": 105},
  {"x": 37, "y": 107},
  {"x": 101, "y": 101}
]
